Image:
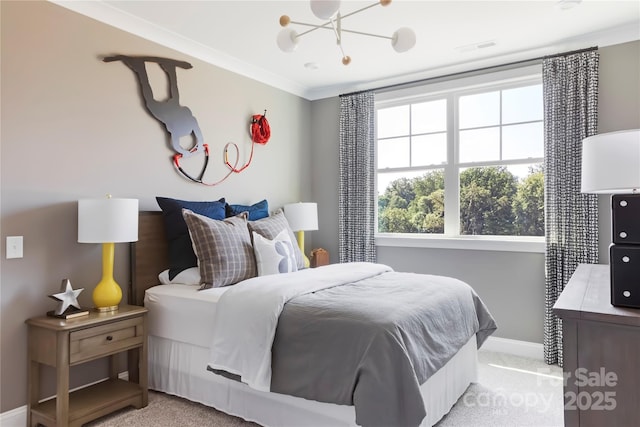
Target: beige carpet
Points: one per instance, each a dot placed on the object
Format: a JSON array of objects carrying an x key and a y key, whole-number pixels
[
  {"x": 511, "y": 392},
  {"x": 170, "y": 411}
]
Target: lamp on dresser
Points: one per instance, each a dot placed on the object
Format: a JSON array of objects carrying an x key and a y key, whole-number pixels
[
  {"x": 302, "y": 217},
  {"x": 107, "y": 221},
  {"x": 611, "y": 165}
]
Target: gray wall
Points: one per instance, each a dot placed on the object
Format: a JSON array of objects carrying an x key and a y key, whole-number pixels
[
  {"x": 75, "y": 127},
  {"x": 510, "y": 283},
  {"x": 325, "y": 171}
]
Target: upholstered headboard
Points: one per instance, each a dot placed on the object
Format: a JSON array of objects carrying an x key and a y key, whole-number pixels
[{"x": 149, "y": 255}]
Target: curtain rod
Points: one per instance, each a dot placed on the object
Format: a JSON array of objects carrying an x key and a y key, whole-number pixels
[{"x": 477, "y": 70}]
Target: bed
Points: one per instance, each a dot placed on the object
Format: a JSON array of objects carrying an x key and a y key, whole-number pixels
[{"x": 180, "y": 350}]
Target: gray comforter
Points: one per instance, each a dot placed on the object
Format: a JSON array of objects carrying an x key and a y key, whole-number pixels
[{"x": 372, "y": 342}]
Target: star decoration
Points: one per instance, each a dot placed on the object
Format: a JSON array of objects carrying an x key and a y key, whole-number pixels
[{"x": 68, "y": 297}]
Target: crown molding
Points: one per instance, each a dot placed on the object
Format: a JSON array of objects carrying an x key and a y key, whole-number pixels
[
  {"x": 613, "y": 36},
  {"x": 107, "y": 14}
]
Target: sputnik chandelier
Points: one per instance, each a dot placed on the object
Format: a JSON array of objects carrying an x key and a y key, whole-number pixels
[{"x": 402, "y": 40}]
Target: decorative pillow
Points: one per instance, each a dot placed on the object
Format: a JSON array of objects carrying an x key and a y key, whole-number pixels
[
  {"x": 181, "y": 254},
  {"x": 274, "y": 256},
  {"x": 190, "y": 276},
  {"x": 256, "y": 211},
  {"x": 223, "y": 247},
  {"x": 271, "y": 226}
]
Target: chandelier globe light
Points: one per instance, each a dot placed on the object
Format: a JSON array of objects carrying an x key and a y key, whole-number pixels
[
  {"x": 325, "y": 9},
  {"x": 402, "y": 40},
  {"x": 287, "y": 40}
]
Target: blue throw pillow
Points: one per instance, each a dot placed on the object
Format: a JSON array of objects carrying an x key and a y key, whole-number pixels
[
  {"x": 181, "y": 255},
  {"x": 256, "y": 211}
]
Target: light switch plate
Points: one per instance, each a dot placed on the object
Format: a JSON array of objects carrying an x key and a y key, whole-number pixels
[{"x": 14, "y": 247}]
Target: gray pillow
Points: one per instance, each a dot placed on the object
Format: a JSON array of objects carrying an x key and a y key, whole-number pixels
[
  {"x": 223, "y": 248},
  {"x": 270, "y": 227}
]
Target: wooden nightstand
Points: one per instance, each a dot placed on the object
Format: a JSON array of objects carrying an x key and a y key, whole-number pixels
[{"x": 65, "y": 343}]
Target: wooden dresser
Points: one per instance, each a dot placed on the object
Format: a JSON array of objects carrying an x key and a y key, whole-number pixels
[{"x": 601, "y": 352}]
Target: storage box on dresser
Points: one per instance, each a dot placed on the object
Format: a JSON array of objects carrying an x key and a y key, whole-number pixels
[
  {"x": 601, "y": 344},
  {"x": 65, "y": 343},
  {"x": 624, "y": 252}
]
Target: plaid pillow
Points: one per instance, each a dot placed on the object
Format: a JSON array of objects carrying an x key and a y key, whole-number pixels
[
  {"x": 271, "y": 226},
  {"x": 223, "y": 247}
]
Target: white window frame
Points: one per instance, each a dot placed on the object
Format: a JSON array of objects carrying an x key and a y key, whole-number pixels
[{"x": 452, "y": 90}]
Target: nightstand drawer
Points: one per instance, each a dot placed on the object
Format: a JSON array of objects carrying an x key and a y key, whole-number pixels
[{"x": 90, "y": 343}]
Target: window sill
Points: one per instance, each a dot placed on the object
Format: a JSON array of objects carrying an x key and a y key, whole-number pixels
[{"x": 484, "y": 243}]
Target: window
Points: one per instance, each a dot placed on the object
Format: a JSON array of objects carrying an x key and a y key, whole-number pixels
[{"x": 461, "y": 161}]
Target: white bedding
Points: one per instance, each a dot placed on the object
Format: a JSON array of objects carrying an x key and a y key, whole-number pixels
[
  {"x": 180, "y": 334},
  {"x": 262, "y": 300},
  {"x": 177, "y": 368}
]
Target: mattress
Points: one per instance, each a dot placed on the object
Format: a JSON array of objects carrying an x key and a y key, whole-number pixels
[{"x": 182, "y": 312}]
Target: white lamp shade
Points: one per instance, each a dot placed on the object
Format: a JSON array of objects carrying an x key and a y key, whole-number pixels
[
  {"x": 403, "y": 39},
  {"x": 302, "y": 216},
  {"x": 325, "y": 9},
  {"x": 287, "y": 40},
  {"x": 107, "y": 220},
  {"x": 611, "y": 162}
]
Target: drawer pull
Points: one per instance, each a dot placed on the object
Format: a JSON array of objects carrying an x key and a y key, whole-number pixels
[{"x": 109, "y": 338}]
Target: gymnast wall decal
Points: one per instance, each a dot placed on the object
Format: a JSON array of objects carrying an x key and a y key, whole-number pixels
[{"x": 177, "y": 119}]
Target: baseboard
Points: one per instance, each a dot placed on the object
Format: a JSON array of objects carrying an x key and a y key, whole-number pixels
[
  {"x": 18, "y": 417},
  {"x": 517, "y": 348},
  {"x": 14, "y": 418}
]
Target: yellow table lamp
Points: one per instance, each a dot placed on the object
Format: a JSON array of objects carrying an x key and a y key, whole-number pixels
[
  {"x": 107, "y": 221},
  {"x": 302, "y": 217}
]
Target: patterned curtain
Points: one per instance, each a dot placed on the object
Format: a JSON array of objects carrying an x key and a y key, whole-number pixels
[
  {"x": 570, "y": 88},
  {"x": 356, "y": 204}
]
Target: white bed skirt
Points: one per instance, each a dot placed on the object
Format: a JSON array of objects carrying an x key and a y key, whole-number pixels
[{"x": 180, "y": 369}]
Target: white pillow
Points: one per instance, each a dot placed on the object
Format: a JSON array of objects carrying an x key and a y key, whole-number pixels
[
  {"x": 274, "y": 256},
  {"x": 190, "y": 276}
]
